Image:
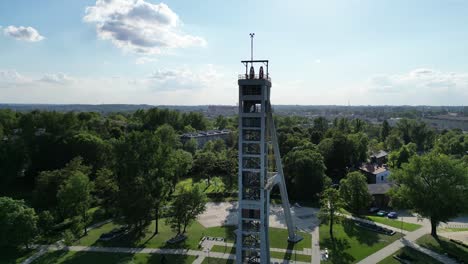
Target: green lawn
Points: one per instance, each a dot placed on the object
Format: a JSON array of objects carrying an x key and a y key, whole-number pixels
[
  {"x": 451, "y": 229},
  {"x": 217, "y": 261},
  {"x": 352, "y": 243},
  {"x": 216, "y": 185},
  {"x": 394, "y": 223},
  {"x": 278, "y": 255},
  {"x": 278, "y": 237},
  {"x": 69, "y": 257},
  {"x": 445, "y": 246},
  {"x": 410, "y": 254},
  {"x": 13, "y": 256}
]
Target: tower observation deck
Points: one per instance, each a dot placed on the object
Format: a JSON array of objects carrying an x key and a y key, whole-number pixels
[{"x": 260, "y": 167}]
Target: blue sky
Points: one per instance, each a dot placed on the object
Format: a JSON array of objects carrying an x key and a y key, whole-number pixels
[{"x": 188, "y": 52}]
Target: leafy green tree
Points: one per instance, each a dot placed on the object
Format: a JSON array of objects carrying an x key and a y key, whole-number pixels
[
  {"x": 74, "y": 197},
  {"x": 221, "y": 122},
  {"x": 94, "y": 150},
  {"x": 144, "y": 171},
  {"x": 358, "y": 125},
  {"x": 385, "y": 130},
  {"x": 360, "y": 143},
  {"x": 18, "y": 223},
  {"x": 107, "y": 189},
  {"x": 331, "y": 206},
  {"x": 191, "y": 146},
  {"x": 394, "y": 142},
  {"x": 403, "y": 155},
  {"x": 433, "y": 185},
  {"x": 181, "y": 161},
  {"x": 321, "y": 124},
  {"x": 185, "y": 207},
  {"x": 205, "y": 165},
  {"x": 305, "y": 171},
  {"x": 49, "y": 182},
  {"x": 45, "y": 221},
  {"x": 353, "y": 190}
]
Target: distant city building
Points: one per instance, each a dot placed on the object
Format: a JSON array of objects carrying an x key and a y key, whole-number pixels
[{"x": 204, "y": 136}]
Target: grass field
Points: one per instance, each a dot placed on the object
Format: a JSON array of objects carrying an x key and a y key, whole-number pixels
[
  {"x": 216, "y": 185},
  {"x": 394, "y": 223},
  {"x": 444, "y": 246},
  {"x": 352, "y": 243},
  {"x": 68, "y": 257},
  {"x": 278, "y": 255},
  {"x": 411, "y": 255},
  {"x": 450, "y": 229},
  {"x": 278, "y": 237},
  {"x": 14, "y": 256},
  {"x": 217, "y": 261}
]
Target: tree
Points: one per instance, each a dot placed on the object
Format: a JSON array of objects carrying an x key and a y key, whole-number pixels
[
  {"x": 433, "y": 185},
  {"x": 185, "y": 208},
  {"x": 394, "y": 142},
  {"x": 18, "y": 223},
  {"x": 353, "y": 190},
  {"x": 74, "y": 197},
  {"x": 305, "y": 171},
  {"x": 221, "y": 122},
  {"x": 181, "y": 161},
  {"x": 331, "y": 205},
  {"x": 385, "y": 130},
  {"x": 144, "y": 173},
  {"x": 107, "y": 189},
  {"x": 397, "y": 158},
  {"x": 49, "y": 182}
]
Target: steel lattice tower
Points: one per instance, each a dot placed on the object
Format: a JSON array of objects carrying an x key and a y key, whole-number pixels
[{"x": 260, "y": 167}]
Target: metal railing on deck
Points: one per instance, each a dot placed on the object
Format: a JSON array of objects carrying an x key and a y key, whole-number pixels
[{"x": 255, "y": 77}]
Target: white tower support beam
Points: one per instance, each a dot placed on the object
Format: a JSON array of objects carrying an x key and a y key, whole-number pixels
[{"x": 257, "y": 139}]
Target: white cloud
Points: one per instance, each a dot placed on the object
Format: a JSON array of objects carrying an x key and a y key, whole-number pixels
[
  {"x": 143, "y": 60},
  {"x": 420, "y": 80},
  {"x": 56, "y": 78},
  {"x": 417, "y": 87},
  {"x": 184, "y": 78},
  {"x": 139, "y": 26},
  {"x": 23, "y": 33},
  {"x": 200, "y": 85}
]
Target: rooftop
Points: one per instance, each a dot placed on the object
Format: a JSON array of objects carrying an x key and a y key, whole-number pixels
[
  {"x": 379, "y": 188},
  {"x": 373, "y": 168}
]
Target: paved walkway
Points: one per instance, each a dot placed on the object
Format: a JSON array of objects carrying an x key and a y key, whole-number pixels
[
  {"x": 316, "y": 255},
  {"x": 408, "y": 240},
  {"x": 197, "y": 253},
  {"x": 43, "y": 249}
]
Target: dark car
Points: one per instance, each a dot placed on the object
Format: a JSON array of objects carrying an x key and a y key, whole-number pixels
[
  {"x": 392, "y": 215},
  {"x": 374, "y": 210},
  {"x": 113, "y": 234},
  {"x": 382, "y": 213}
]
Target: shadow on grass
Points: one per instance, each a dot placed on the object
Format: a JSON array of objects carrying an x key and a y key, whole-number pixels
[
  {"x": 338, "y": 248},
  {"x": 66, "y": 257},
  {"x": 363, "y": 236},
  {"x": 445, "y": 247}
]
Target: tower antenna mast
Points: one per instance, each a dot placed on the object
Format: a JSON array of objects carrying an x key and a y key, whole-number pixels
[{"x": 251, "y": 45}]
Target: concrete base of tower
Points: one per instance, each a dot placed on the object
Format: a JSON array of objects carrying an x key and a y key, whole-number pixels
[{"x": 295, "y": 239}]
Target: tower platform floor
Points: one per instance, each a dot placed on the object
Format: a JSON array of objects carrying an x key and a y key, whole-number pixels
[{"x": 225, "y": 213}]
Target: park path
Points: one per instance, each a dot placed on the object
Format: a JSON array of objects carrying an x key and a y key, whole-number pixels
[
  {"x": 316, "y": 255},
  {"x": 408, "y": 240},
  {"x": 42, "y": 249},
  {"x": 196, "y": 253}
]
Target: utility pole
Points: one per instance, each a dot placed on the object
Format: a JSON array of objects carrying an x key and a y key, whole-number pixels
[{"x": 251, "y": 45}]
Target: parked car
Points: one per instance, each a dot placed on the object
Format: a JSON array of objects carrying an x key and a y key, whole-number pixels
[
  {"x": 374, "y": 210},
  {"x": 392, "y": 215},
  {"x": 113, "y": 234},
  {"x": 382, "y": 213}
]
